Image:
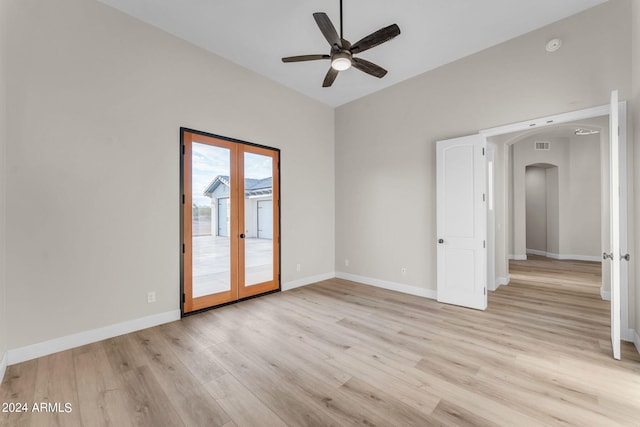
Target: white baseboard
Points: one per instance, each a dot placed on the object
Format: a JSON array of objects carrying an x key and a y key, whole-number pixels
[
  {"x": 307, "y": 281},
  {"x": 518, "y": 257},
  {"x": 627, "y": 334},
  {"x": 500, "y": 281},
  {"x": 55, "y": 345},
  {"x": 606, "y": 295},
  {"x": 3, "y": 366},
  {"x": 636, "y": 340},
  {"x": 536, "y": 252},
  {"x": 392, "y": 286},
  {"x": 572, "y": 257}
]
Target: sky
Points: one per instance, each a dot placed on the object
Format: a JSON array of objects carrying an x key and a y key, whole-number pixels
[{"x": 208, "y": 161}]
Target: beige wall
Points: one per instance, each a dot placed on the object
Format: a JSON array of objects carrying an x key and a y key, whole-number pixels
[
  {"x": 97, "y": 99},
  {"x": 585, "y": 196},
  {"x": 3, "y": 145},
  {"x": 385, "y": 143}
]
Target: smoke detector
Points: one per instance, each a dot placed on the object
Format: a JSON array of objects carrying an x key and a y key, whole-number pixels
[{"x": 553, "y": 45}]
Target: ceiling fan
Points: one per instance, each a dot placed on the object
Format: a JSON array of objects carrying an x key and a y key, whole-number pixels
[{"x": 341, "y": 54}]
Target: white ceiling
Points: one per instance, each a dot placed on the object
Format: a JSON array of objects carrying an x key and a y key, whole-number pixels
[{"x": 257, "y": 34}]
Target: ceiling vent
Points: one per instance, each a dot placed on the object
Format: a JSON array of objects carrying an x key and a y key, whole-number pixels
[{"x": 542, "y": 145}]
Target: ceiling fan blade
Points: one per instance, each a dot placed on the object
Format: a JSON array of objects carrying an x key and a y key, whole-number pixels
[
  {"x": 368, "y": 67},
  {"x": 330, "y": 77},
  {"x": 328, "y": 30},
  {"x": 301, "y": 58},
  {"x": 374, "y": 39}
]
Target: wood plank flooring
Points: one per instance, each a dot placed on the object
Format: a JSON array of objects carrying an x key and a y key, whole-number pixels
[{"x": 340, "y": 353}]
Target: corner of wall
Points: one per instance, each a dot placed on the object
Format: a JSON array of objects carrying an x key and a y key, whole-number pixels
[
  {"x": 3, "y": 150},
  {"x": 287, "y": 286},
  {"x": 3, "y": 365},
  {"x": 385, "y": 284}
]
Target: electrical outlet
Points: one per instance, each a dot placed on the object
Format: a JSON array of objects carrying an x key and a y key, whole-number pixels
[
  {"x": 403, "y": 270},
  {"x": 346, "y": 263},
  {"x": 151, "y": 297},
  {"x": 298, "y": 268}
]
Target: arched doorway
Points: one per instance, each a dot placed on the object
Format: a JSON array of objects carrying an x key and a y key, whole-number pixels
[{"x": 542, "y": 213}]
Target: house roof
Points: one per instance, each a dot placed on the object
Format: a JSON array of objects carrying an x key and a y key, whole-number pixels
[{"x": 252, "y": 186}]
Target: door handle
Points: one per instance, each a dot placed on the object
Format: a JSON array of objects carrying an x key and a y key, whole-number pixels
[
  {"x": 242, "y": 236},
  {"x": 607, "y": 256},
  {"x": 441, "y": 241},
  {"x": 625, "y": 257}
]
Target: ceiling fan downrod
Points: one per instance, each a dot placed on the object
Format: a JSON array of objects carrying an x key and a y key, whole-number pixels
[{"x": 341, "y": 33}]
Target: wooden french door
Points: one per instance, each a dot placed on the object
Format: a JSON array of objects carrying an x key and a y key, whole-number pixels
[{"x": 230, "y": 243}]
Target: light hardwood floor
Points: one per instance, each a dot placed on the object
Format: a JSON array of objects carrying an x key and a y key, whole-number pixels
[{"x": 341, "y": 353}]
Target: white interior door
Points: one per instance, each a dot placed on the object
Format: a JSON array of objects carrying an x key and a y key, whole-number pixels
[
  {"x": 618, "y": 219},
  {"x": 462, "y": 221}
]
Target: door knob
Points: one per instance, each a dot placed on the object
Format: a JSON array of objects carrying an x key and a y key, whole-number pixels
[
  {"x": 625, "y": 257},
  {"x": 441, "y": 241},
  {"x": 242, "y": 236}
]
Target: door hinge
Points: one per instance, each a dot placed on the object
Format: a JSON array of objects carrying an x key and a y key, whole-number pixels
[
  {"x": 484, "y": 197},
  {"x": 483, "y": 151},
  {"x": 183, "y": 149},
  {"x": 183, "y": 248},
  {"x": 184, "y": 298},
  {"x": 485, "y": 291},
  {"x": 183, "y": 199},
  {"x": 484, "y": 244}
]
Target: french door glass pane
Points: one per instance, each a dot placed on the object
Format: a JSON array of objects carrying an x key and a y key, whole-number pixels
[
  {"x": 210, "y": 183},
  {"x": 258, "y": 218}
]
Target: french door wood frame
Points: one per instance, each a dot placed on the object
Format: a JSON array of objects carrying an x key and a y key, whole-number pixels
[{"x": 243, "y": 279}]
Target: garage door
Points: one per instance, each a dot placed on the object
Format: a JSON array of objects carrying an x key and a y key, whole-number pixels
[
  {"x": 223, "y": 217},
  {"x": 265, "y": 219}
]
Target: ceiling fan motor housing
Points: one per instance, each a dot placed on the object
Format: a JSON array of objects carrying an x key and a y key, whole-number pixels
[{"x": 341, "y": 60}]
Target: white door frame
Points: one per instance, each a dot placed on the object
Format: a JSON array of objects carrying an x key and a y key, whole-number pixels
[
  {"x": 491, "y": 220},
  {"x": 626, "y": 334}
]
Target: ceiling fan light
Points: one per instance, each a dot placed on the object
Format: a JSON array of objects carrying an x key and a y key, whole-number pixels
[{"x": 341, "y": 61}]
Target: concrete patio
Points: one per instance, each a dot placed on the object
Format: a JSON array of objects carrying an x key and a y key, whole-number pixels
[{"x": 211, "y": 263}]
